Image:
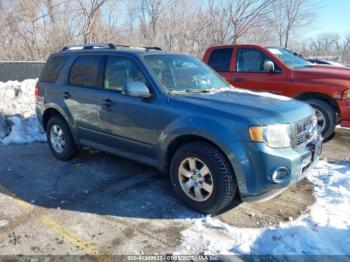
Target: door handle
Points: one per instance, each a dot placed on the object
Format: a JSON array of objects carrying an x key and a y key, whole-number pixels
[
  {"x": 107, "y": 104},
  {"x": 239, "y": 79},
  {"x": 66, "y": 95}
]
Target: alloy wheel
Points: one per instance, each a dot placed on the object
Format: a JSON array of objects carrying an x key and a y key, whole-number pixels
[
  {"x": 195, "y": 179},
  {"x": 57, "y": 138}
]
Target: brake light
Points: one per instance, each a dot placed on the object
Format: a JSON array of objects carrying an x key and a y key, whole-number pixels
[{"x": 36, "y": 93}]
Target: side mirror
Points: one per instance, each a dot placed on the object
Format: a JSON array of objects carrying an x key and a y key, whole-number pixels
[
  {"x": 136, "y": 88},
  {"x": 269, "y": 66}
]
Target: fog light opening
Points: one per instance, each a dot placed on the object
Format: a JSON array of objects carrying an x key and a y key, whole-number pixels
[{"x": 280, "y": 174}]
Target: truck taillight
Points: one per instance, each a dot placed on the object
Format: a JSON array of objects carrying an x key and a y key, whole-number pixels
[{"x": 36, "y": 93}]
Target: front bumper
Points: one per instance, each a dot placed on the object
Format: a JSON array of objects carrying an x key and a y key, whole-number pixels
[
  {"x": 344, "y": 107},
  {"x": 255, "y": 163}
]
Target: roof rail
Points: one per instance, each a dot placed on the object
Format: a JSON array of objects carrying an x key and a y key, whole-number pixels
[
  {"x": 90, "y": 46},
  {"x": 152, "y": 48},
  {"x": 126, "y": 46},
  {"x": 105, "y": 46}
]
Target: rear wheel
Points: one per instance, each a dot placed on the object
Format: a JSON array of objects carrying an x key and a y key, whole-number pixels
[
  {"x": 326, "y": 117},
  {"x": 202, "y": 178},
  {"x": 60, "y": 139}
]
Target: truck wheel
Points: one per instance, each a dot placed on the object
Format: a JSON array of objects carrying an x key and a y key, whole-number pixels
[
  {"x": 202, "y": 178},
  {"x": 60, "y": 139},
  {"x": 326, "y": 116}
]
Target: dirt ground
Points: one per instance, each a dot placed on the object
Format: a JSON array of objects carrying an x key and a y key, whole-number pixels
[{"x": 102, "y": 204}]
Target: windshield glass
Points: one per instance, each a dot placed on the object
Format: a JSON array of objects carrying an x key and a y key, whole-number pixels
[
  {"x": 288, "y": 58},
  {"x": 183, "y": 73}
]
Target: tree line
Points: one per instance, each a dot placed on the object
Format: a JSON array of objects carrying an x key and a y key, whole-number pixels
[{"x": 32, "y": 29}]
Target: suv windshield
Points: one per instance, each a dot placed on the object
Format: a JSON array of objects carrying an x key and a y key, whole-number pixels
[
  {"x": 288, "y": 58},
  {"x": 183, "y": 73}
]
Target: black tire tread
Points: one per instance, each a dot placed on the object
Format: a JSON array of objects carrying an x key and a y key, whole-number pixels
[
  {"x": 227, "y": 176},
  {"x": 330, "y": 115}
]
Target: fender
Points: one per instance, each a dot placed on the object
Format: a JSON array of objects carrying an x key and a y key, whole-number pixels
[
  {"x": 64, "y": 112},
  {"x": 203, "y": 127}
]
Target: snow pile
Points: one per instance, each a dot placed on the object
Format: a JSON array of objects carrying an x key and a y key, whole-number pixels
[
  {"x": 325, "y": 231},
  {"x": 18, "y": 123}
]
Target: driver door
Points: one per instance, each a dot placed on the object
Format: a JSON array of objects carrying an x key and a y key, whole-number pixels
[
  {"x": 249, "y": 72},
  {"x": 128, "y": 122}
]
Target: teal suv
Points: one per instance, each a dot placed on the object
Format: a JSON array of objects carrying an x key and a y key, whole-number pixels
[{"x": 174, "y": 113}]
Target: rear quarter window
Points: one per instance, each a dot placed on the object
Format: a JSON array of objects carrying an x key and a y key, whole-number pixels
[
  {"x": 220, "y": 59},
  {"x": 52, "y": 69},
  {"x": 86, "y": 71}
]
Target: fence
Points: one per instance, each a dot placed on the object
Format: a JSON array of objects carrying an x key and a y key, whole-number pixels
[{"x": 20, "y": 70}]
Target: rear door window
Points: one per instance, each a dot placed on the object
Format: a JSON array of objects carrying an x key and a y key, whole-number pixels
[
  {"x": 220, "y": 59},
  {"x": 86, "y": 71},
  {"x": 120, "y": 70},
  {"x": 53, "y": 68}
]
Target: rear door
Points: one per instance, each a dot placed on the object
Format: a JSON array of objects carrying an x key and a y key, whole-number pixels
[
  {"x": 83, "y": 94},
  {"x": 249, "y": 73},
  {"x": 221, "y": 61}
]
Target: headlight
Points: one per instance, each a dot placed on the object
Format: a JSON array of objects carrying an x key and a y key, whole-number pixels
[
  {"x": 275, "y": 136},
  {"x": 346, "y": 94}
]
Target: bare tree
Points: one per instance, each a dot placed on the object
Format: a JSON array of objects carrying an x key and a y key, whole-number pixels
[
  {"x": 90, "y": 10},
  {"x": 330, "y": 46},
  {"x": 151, "y": 12},
  {"x": 290, "y": 15},
  {"x": 243, "y": 14},
  {"x": 32, "y": 29}
]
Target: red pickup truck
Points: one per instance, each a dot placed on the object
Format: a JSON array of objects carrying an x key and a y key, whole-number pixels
[{"x": 279, "y": 71}]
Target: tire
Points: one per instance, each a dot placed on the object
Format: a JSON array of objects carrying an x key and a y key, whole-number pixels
[
  {"x": 69, "y": 149},
  {"x": 329, "y": 115},
  {"x": 220, "y": 177}
]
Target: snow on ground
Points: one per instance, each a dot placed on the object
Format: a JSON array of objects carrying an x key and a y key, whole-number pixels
[
  {"x": 325, "y": 231},
  {"x": 18, "y": 123}
]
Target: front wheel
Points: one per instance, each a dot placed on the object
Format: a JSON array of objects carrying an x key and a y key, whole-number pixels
[
  {"x": 202, "y": 178},
  {"x": 326, "y": 116}
]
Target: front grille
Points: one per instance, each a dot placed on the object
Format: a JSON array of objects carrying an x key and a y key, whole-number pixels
[{"x": 303, "y": 133}]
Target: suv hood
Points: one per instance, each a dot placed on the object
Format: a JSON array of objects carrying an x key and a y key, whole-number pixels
[{"x": 256, "y": 108}]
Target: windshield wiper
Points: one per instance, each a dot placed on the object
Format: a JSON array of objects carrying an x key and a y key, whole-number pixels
[
  {"x": 193, "y": 90},
  {"x": 176, "y": 92},
  {"x": 188, "y": 91}
]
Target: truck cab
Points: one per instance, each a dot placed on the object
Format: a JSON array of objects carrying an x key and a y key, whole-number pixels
[{"x": 280, "y": 71}]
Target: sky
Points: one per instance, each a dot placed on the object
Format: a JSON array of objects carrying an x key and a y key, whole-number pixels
[{"x": 331, "y": 16}]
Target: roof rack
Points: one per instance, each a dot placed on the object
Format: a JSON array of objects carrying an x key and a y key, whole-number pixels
[
  {"x": 89, "y": 46},
  {"x": 152, "y": 48},
  {"x": 105, "y": 46}
]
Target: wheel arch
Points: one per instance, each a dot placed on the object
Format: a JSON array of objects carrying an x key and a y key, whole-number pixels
[
  {"x": 319, "y": 96},
  {"x": 177, "y": 142},
  {"x": 49, "y": 113}
]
